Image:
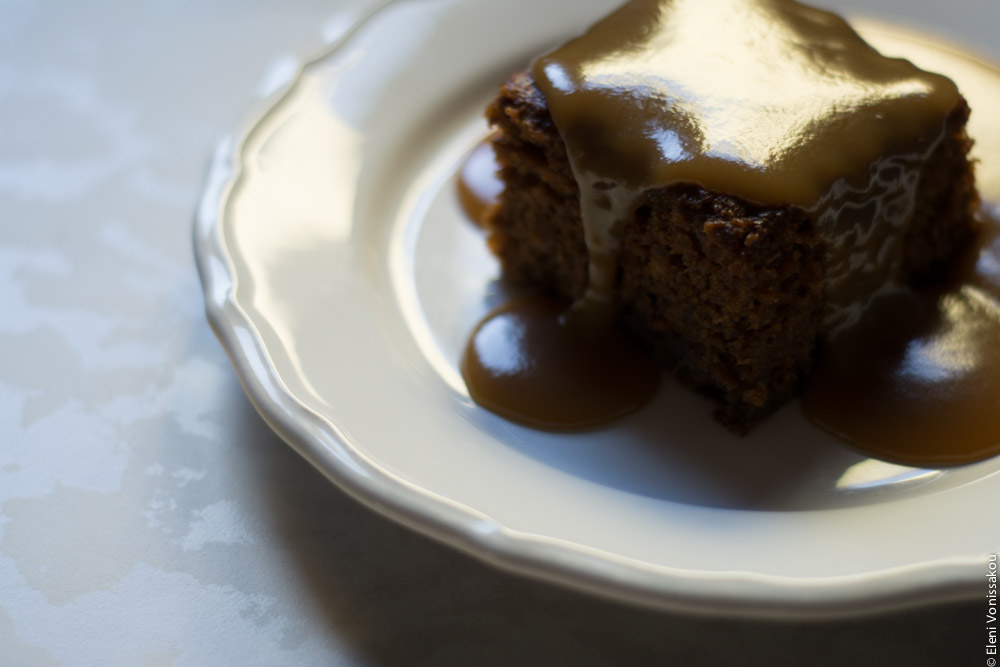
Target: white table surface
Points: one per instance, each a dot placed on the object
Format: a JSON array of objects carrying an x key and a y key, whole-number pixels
[{"x": 147, "y": 515}]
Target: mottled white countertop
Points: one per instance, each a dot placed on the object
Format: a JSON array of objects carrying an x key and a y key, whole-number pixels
[{"x": 147, "y": 515}]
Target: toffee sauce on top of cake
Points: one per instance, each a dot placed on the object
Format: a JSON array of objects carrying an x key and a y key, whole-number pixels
[{"x": 766, "y": 100}]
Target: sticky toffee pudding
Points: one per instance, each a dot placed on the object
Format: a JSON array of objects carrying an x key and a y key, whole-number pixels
[{"x": 738, "y": 186}]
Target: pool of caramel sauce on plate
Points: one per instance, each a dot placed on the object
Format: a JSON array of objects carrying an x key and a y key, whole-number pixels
[
  {"x": 539, "y": 363},
  {"x": 916, "y": 381}
]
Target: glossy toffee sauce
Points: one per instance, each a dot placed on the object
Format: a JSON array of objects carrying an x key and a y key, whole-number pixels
[{"x": 934, "y": 397}]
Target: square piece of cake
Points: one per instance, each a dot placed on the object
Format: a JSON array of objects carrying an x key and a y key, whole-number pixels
[{"x": 739, "y": 178}]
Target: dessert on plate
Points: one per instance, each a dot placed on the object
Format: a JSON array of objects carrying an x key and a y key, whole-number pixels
[{"x": 734, "y": 181}]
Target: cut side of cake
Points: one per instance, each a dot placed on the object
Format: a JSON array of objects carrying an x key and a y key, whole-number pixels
[{"x": 732, "y": 259}]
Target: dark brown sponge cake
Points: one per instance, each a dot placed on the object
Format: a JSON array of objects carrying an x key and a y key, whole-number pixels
[{"x": 731, "y": 295}]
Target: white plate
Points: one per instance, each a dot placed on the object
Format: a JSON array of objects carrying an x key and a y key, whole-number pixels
[{"x": 342, "y": 279}]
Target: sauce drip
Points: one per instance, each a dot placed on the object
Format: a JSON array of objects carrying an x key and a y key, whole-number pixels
[
  {"x": 545, "y": 364},
  {"x": 479, "y": 184},
  {"x": 538, "y": 363},
  {"x": 917, "y": 381}
]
